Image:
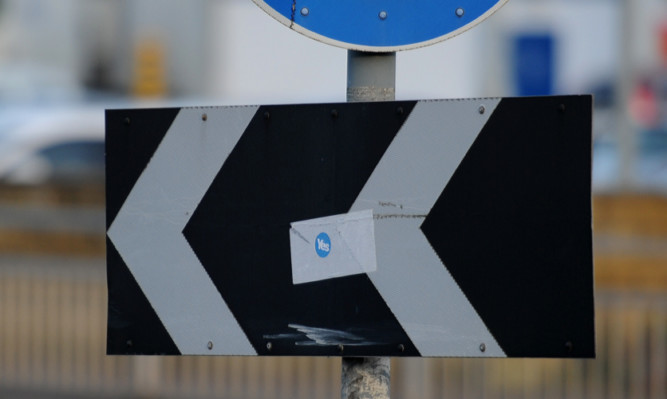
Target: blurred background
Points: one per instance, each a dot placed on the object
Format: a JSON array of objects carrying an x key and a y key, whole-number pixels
[{"x": 63, "y": 62}]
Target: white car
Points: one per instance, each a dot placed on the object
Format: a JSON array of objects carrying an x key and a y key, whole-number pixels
[{"x": 41, "y": 145}]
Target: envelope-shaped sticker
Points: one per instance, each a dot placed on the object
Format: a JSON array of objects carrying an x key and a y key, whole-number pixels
[{"x": 332, "y": 246}]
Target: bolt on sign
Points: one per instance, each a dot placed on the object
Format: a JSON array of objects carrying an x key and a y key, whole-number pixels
[{"x": 451, "y": 228}]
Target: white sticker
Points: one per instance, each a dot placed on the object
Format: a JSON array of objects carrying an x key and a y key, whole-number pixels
[{"x": 332, "y": 246}]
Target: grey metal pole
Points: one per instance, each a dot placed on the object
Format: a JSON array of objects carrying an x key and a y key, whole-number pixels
[
  {"x": 627, "y": 141},
  {"x": 370, "y": 77},
  {"x": 365, "y": 378}
]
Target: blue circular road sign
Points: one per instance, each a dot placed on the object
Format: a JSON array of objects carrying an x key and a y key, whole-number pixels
[{"x": 380, "y": 25}]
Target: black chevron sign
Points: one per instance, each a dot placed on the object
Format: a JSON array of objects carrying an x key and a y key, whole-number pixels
[{"x": 411, "y": 228}]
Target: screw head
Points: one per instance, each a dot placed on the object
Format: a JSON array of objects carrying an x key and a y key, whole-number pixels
[
  {"x": 269, "y": 345},
  {"x": 209, "y": 345},
  {"x": 305, "y": 11},
  {"x": 482, "y": 347},
  {"x": 459, "y": 12},
  {"x": 341, "y": 347},
  {"x": 204, "y": 117},
  {"x": 267, "y": 115},
  {"x": 334, "y": 113},
  {"x": 127, "y": 121},
  {"x": 481, "y": 109},
  {"x": 569, "y": 346},
  {"x": 382, "y": 15},
  {"x": 399, "y": 111},
  {"x": 401, "y": 348}
]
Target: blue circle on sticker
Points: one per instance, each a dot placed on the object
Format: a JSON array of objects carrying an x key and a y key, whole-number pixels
[{"x": 323, "y": 245}]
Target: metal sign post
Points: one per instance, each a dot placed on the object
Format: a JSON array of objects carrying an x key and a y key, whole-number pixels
[{"x": 370, "y": 77}]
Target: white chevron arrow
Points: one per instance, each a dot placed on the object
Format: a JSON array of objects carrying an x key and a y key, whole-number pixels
[
  {"x": 148, "y": 231},
  {"x": 403, "y": 188}
]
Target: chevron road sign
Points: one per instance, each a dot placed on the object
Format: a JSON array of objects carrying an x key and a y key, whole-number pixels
[
  {"x": 381, "y": 25},
  {"x": 409, "y": 228}
]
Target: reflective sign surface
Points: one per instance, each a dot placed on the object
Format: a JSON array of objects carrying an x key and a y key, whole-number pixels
[{"x": 380, "y": 25}]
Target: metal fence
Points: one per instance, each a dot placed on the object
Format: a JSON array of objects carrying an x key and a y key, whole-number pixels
[{"x": 52, "y": 340}]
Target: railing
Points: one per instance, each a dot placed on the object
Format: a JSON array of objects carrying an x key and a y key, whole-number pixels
[{"x": 53, "y": 332}]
